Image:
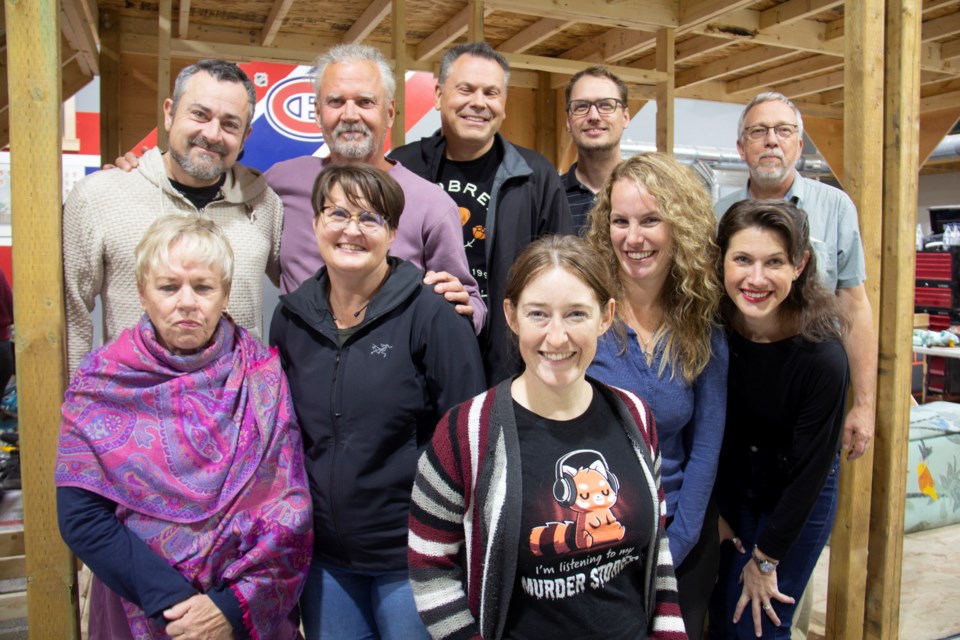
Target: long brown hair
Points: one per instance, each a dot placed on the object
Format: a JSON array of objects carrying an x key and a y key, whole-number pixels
[
  {"x": 691, "y": 294},
  {"x": 816, "y": 310}
]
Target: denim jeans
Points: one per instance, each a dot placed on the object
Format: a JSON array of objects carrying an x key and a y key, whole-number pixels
[
  {"x": 793, "y": 572},
  {"x": 340, "y": 604}
]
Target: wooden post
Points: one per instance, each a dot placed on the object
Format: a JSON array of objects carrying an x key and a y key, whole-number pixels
[
  {"x": 859, "y": 168},
  {"x": 900, "y": 167},
  {"x": 546, "y": 120},
  {"x": 110, "y": 147},
  {"x": 398, "y": 22},
  {"x": 475, "y": 21},
  {"x": 165, "y": 19},
  {"x": 666, "y": 53},
  {"x": 33, "y": 50}
]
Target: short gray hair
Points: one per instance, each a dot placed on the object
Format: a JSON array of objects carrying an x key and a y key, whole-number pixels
[
  {"x": 343, "y": 53},
  {"x": 200, "y": 239},
  {"x": 768, "y": 96},
  {"x": 477, "y": 49},
  {"x": 222, "y": 71}
]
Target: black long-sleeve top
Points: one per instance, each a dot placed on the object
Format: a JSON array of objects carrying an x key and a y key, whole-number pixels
[
  {"x": 785, "y": 411},
  {"x": 124, "y": 562}
]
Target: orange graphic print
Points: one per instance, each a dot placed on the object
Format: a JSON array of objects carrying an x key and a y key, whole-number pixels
[
  {"x": 479, "y": 232},
  {"x": 464, "y": 216},
  {"x": 590, "y": 492}
]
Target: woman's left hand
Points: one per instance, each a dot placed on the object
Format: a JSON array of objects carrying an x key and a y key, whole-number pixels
[
  {"x": 197, "y": 618},
  {"x": 758, "y": 590}
]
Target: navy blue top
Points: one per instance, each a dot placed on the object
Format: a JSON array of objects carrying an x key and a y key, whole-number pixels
[
  {"x": 124, "y": 562},
  {"x": 690, "y": 419}
]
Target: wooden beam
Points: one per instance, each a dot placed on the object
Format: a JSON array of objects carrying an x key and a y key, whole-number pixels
[
  {"x": 475, "y": 20},
  {"x": 183, "y": 19},
  {"x": 13, "y": 605},
  {"x": 950, "y": 50},
  {"x": 369, "y": 20},
  {"x": 666, "y": 49},
  {"x": 636, "y": 14},
  {"x": 612, "y": 45},
  {"x": 744, "y": 26},
  {"x": 545, "y": 121},
  {"x": 110, "y": 146},
  {"x": 933, "y": 127},
  {"x": 164, "y": 34},
  {"x": 278, "y": 13},
  {"x": 940, "y": 101},
  {"x": 900, "y": 167},
  {"x": 696, "y": 12},
  {"x": 15, "y": 567},
  {"x": 793, "y": 10},
  {"x": 398, "y": 24},
  {"x": 33, "y": 60},
  {"x": 827, "y": 135},
  {"x": 738, "y": 62},
  {"x": 534, "y": 34},
  {"x": 809, "y": 86},
  {"x": 791, "y": 71},
  {"x": 700, "y": 45},
  {"x": 79, "y": 22},
  {"x": 569, "y": 67},
  {"x": 450, "y": 31},
  {"x": 942, "y": 27}
]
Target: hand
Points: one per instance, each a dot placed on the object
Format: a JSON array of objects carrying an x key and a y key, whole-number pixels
[
  {"x": 759, "y": 590},
  {"x": 128, "y": 161},
  {"x": 858, "y": 430},
  {"x": 726, "y": 533},
  {"x": 197, "y": 618},
  {"x": 452, "y": 290}
]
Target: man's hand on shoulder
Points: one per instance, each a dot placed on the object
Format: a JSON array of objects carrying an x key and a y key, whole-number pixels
[
  {"x": 450, "y": 287},
  {"x": 128, "y": 161}
]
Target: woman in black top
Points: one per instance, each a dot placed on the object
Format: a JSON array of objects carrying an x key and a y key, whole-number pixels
[{"x": 777, "y": 480}]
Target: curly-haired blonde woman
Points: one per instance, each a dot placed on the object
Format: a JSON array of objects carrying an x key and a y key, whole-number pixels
[{"x": 654, "y": 225}]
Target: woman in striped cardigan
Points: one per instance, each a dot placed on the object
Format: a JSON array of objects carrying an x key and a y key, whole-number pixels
[{"x": 537, "y": 509}]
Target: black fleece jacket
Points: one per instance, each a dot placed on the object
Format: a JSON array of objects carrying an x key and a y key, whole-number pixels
[{"x": 367, "y": 409}]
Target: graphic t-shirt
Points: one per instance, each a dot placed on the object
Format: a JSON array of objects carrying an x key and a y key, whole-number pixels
[
  {"x": 470, "y": 183},
  {"x": 586, "y": 523}
]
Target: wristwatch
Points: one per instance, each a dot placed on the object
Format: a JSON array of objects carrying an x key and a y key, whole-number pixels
[{"x": 766, "y": 566}]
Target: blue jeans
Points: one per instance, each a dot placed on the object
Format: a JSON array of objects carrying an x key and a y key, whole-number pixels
[
  {"x": 340, "y": 604},
  {"x": 793, "y": 573}
]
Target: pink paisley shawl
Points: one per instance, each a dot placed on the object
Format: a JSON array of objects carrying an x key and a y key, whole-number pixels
[{"x": 203, "y": 456}]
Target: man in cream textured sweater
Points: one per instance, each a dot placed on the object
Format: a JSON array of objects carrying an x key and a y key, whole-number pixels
[{"x": 105, "y": 216}]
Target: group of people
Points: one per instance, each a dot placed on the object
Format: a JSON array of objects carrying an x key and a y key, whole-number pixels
[{"x": 587, "y": 409}]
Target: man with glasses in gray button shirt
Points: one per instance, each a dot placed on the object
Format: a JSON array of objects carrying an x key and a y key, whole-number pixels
[
  {"x": 597, "y": 114},
  {"x": 770, "y": 141}
]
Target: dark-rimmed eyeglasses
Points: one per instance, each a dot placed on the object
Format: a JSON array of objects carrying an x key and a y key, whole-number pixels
[
  {"x": 605, "y": 106},
  {"x": 338, "y": 218},
  {"x": 759, "y": 132}
]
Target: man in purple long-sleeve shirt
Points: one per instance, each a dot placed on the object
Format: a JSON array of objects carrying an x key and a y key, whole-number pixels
[{"x": 355, "y": 109}]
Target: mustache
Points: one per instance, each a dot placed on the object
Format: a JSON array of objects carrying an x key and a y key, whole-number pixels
[
  {"x": 772, "y": 153},
  {"x": 354, "y": 127},
  {"x": 203, "y": 143}
]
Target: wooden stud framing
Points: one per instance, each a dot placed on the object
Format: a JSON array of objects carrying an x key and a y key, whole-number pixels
[
  {"x": 666, "y": 51},
  {"x": 279, "y": 11},
  {"x": 183, "y": 19},
  {"x": 110, "y": 146},
  {"x": 933, "y": 127},
  {"x": 163, "y": 66},
  {"x": 827, "y": 135},
  {"x": 861, "y": 167},
  {"x": 475, "y": 20},
  {"x": 369, "y": 20},
  {"x": 900, "y": 169},
  {"x": 546, "y": 123},
  {"x": 33, "y": 51},
  {"x": 398, "y": 19}
]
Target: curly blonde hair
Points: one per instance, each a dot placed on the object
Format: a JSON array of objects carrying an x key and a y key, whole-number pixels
[{"x": 690, "y": 297}]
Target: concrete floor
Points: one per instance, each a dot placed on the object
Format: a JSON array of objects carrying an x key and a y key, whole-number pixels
[{"x": 929, "y": 591}]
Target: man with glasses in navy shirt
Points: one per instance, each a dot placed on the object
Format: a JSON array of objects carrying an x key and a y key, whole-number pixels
[{"x": 597, "y": 114}]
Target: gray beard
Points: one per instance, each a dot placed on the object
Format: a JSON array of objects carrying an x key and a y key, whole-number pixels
[
  {"x": 768, "y": 179},
  {"x": 204, "y": 171}
]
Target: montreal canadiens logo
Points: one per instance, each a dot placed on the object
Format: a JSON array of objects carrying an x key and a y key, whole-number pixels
[{"x": 291, "y": 109}]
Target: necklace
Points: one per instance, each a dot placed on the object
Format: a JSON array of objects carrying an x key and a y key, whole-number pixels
[{"x": 646, "y": 344}]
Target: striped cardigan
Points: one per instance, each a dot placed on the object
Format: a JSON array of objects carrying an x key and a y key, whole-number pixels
[{"x": 465, "y": 519}]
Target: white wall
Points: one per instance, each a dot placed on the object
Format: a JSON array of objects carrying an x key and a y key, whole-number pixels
[{"x": 936, "y": 190}]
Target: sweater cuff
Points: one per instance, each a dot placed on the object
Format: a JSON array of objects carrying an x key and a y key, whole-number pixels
[{"x": 229, "y": 606}]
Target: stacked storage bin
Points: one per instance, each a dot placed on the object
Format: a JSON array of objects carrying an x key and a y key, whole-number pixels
[{"x": 937, "y": 293}]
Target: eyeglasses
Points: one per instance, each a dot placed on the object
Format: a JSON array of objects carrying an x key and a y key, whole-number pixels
[
  {"x": 605, "y": 106},
  {"x": 783, "y": 131},
  {"x": 337, "y": 219}
]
